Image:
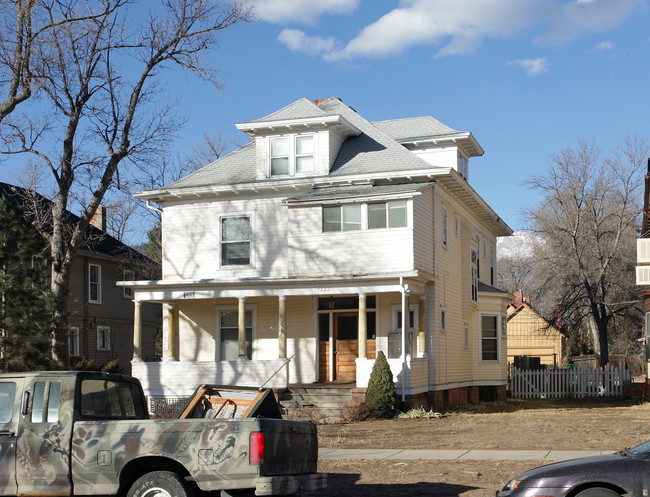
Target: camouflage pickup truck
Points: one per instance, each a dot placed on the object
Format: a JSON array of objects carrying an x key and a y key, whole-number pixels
[{"x": 86, "y": 433}]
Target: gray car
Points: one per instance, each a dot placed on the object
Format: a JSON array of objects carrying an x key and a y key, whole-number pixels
[{"x": 624, "y": 473}]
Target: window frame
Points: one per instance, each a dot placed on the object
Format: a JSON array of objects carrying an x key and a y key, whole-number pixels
[
  {"x": 463, "y": 165},
  {"x": 342, "y": 218},
  {"x": 445, "y": 226},
  {"x": 103, "y": 344},
  {"x": 496, "y": 338},
  {"x": 292, "y": 154},
  {"x": 97, "y": 283},
  {"x": 73, "y": 341},
  {"x": 128, "y": 275},
  {"x": 250, "y": 240},
  {"x": 387, "y": 211},
  {"x": 252, "y": 308},
  {"x": 474, "y": 275},
  {"x": 443, "y": 320}
]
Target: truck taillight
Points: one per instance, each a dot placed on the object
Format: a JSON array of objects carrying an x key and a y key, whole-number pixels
[{"x": 256, "y": 448}]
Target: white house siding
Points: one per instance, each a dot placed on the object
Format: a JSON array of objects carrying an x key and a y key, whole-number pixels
[
  {"x": 192, "y": 240},
  {"x": 196, "y": 330},
  {"x": 423, "y": 223},
  {"x": 312, "y": 252},
  {"x": 440, "y": 157}
]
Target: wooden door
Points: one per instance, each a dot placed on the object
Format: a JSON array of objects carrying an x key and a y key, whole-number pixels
[{"x": 346, "y": 348}]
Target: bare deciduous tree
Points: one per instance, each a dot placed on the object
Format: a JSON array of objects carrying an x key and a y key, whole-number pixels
[
  {"x": 588, "y": 218},
  {"x": 105, "y": 116}
]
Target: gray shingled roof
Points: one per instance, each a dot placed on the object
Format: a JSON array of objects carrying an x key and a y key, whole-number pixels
[
  {"x": 371, "y": 152},
  {"x": 357, "y": 191},
  {"x": 414, "y": 127}
]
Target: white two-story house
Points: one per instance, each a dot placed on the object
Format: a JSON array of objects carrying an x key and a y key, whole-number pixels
[{"x": 297, "y": 257}]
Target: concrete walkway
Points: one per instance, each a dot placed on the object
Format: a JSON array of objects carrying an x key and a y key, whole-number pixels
[{"x": 460, "y": 454}]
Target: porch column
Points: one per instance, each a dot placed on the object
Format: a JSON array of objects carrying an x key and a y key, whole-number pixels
[
  {"x": 137, "y": 331},
  {"x": 242, "y": 327},
  {"x": 172, "y": 333},
  {"x": 422, "y": 320},
  {"x": 363, "y": 329},
  {"x": 282, "y": 327}
]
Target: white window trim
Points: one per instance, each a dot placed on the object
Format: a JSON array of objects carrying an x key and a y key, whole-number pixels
[
  {"x": 443, "y": 320},
  {"x": 217, "y": 327},
  {"x": 473, "y": 277},
  {"x": 74, "y": 335},
  {"x": 251, "y": 262},
  {"x": 106, "y": 329},
  {"x": 364, "y": 216},
  {"x": 445, "y": 226},
  {"x": 497, "y": 338},
  {"x": 292, "y": 155},
  {"x": 99, "y": 284},
  {"x": 397, "y": 324},
  {"x": 128, "y": 275}
]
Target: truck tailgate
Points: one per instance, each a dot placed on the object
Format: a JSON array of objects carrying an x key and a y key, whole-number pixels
[{"x": 290, "y": 447}]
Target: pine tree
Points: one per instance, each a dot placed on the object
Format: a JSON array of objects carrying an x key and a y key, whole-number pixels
[
  {"x": 381, "y": 395},
  {"x": 26, "y": 305}
]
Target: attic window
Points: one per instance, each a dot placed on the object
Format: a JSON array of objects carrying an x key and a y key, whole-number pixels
[{"x": 292, "y": 155}]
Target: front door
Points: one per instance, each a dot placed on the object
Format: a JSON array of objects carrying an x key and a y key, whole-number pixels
[{"x": 346, "y": 346}]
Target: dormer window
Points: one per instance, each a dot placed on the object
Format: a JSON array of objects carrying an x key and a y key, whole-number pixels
[
  {"x": 291, "y": 155},
  {"x": 463, "y": 167}
]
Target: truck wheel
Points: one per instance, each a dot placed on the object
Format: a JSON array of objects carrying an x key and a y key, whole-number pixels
[{"x": 160, "y": 484}]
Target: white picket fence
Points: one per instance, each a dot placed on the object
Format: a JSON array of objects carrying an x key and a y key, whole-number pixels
[{"x": 562, "y": 383}]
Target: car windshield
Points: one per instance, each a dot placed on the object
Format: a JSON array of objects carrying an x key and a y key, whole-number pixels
[{"x": 642, "y": 450}]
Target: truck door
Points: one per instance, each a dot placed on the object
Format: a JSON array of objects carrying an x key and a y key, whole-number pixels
[
  {"x": 10, "y": 399},
  {"x": 43, "y": 448}
]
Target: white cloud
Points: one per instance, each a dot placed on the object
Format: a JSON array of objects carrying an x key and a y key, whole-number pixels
[
  {"x": 604, "y": 46},
  {"x": 298, "y": 41},
  {"x": 533, "y": 67},
  {"x": 304, "y": 11},
  {"x": 459, "y": 27}
]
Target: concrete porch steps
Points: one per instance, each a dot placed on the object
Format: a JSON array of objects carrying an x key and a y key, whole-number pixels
[{"x": 319, "y": 402}]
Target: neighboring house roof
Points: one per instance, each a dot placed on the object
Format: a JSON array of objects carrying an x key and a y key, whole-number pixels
[
  {"x": 97, "y": 243},
  {"x": 482, "y": 287},
  {"x": 524, "y": 306}
]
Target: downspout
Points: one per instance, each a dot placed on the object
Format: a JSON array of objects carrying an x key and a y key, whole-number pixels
[
  {"x": 153, "y": 207},
  {"x": 404, "y": 321}
]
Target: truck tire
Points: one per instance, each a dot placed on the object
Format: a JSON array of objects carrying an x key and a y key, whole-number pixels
[{"x": 160, "y": 484}]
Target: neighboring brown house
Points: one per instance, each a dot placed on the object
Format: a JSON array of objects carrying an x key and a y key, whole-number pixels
[
  {"x": 531, "y": 336},
  {"x": 101, "y": 313}
]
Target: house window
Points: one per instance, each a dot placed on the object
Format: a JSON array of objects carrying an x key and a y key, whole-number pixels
[
  {"x": 94, "y": 284},
  {"x": 41, "y": 266},
  {"x": 444, "y": 226},
  {"x": 304, "y": 154},
  {"x": 489, "y": 338},
  {"x": 456, "y": 222},
  {"x": 292, "y": 155},
  {"x": 466, "y": 336},
  {"x": 504, "y": 326},
  {"x": 128, "y": 276},
  {"x": 387, "y": 214},
  {"x": 474, "y": 275},
  {"x": 492, "y": 260},
  {"x": 443, "y": 321},
  {"x": 463, "y": 166},
  {"x": 228, "y": 331},
  {"x": 342, "y": 218},
  {"x": 73, "y": 341},
  {"x": 103, "y": 338},
  {"x": 236, "y": 241}
]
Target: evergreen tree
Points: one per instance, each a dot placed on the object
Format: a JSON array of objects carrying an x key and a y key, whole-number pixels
[
  {"x": 381, "y": 395},
  {"x": 26, "y": 306}
]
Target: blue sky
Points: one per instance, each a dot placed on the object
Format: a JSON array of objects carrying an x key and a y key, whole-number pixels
[{"x": 525, "y": 77}]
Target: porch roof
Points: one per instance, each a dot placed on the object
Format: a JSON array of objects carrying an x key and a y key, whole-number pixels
[{"x": 166, "y": 290}]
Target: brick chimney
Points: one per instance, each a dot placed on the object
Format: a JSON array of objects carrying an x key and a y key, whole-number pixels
[
  {"x": 520, "y": 298},
  {"x": 99, "y": 219}
]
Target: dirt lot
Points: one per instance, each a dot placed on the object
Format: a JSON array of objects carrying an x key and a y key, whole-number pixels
[{"x": 569, "y": 425}]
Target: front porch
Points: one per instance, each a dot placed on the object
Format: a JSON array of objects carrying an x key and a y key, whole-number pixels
[{"x": 273, "y": 333}]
